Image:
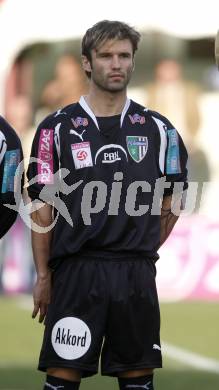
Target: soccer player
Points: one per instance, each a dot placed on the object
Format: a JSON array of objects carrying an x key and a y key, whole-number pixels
[
  {"x": 96, "y": 271},
  {"x": 10, "y": 157}
]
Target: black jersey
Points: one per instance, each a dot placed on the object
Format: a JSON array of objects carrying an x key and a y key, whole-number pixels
[
  {"x": 10, "y": 157},
  {"x": 104, "y": 205}
]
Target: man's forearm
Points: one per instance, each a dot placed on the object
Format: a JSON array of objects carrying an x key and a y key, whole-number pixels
[
  {"x": 41, "y": 241},
  {"x": 168, "y": 219}
]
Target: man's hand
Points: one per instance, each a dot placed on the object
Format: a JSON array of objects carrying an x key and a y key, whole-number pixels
[{"x": 41, "y": 297}]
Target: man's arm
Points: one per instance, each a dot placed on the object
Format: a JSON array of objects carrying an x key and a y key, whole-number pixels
[
  {"x": 41, "y": 250},
  {"x": 168, "y": 217}
]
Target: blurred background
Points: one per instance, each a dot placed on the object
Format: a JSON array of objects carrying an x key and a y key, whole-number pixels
[{"x": 176, "y": 75}]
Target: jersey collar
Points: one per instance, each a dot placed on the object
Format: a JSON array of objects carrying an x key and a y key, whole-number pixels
[{"x": 86, "y": 108}]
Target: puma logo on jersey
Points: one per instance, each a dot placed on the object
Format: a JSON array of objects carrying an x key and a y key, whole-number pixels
[
  {"x": 53, "y": 387},
  {"x": 139, "y": 386},
  {"x": 59, "y": 112},
  {"x": 77, "y": 134},
  {"x": 155, "y": 346}
]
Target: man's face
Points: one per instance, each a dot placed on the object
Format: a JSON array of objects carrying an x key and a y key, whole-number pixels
[{"x": 112, "y": 65}]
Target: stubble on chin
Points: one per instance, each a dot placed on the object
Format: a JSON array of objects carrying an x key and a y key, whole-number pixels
[{"x": 115, "y": 87}]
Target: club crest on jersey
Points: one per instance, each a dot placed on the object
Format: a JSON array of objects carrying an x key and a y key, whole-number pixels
[
  {"x": 77, "y": 122},
  {"x": 136, "y": 118},
  {"x": 137, "y": 147},
  {"x": 82, "y": 155}
]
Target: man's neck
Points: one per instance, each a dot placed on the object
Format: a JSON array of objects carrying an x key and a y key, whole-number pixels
[{"x": 104, "y": 103}]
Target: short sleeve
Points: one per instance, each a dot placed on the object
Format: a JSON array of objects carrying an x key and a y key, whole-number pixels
[{"x": 44, "y": 161}]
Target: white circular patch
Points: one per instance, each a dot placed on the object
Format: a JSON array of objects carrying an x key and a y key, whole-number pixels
[{"x": 71, "y": 338}]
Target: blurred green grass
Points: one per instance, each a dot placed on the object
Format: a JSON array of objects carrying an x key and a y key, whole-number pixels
[
  {"x": 193, "y": 326},
  {"x": 29, "y": 379},
  {"x": 190, "y": 325}
]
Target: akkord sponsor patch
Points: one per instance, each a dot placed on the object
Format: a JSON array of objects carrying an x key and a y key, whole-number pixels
[{"x": 71, "y": 338}]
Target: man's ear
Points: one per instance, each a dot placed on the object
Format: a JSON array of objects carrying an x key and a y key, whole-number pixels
[
  {"x": 133, "y": 66},
  {"x": 86, "y": 64}
]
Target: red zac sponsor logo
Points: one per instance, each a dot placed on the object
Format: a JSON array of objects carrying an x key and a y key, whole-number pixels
[
  {"x": 45, "y": 156},
  {"x": 77, "y": 122},
  {"x": 45, "y": 153},
  {"x": 136, "y": 118}
]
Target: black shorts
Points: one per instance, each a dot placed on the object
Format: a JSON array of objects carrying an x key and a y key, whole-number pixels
[{"x": 106, "y": 308}]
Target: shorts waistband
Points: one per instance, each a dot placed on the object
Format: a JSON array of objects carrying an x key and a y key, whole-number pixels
[
  {"x": 108, "y": 255},
  {"x": 104, "y": 256}
]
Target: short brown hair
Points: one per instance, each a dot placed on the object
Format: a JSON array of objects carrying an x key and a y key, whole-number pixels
[{"x": 105, "y": 30}]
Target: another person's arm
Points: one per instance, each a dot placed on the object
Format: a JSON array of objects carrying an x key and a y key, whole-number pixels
[{"x": 11, "y": 182}]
